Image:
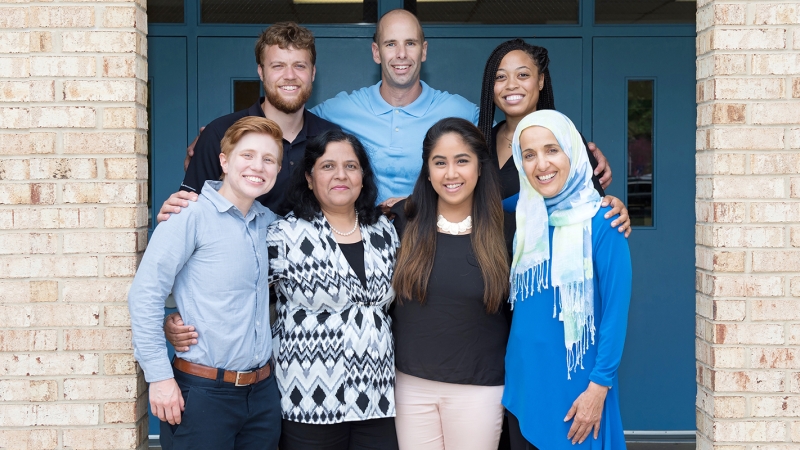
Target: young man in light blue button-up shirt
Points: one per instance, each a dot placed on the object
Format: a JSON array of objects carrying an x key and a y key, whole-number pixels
[{"x": 213, "y": 257}]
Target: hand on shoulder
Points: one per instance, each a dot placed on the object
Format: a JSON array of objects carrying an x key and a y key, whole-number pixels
[
  {"x": 174, "y": 204},
  {"x": 618, "y": 214}
]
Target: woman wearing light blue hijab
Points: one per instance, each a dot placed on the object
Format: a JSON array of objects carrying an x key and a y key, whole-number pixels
[{"x": 570, "y": 289}]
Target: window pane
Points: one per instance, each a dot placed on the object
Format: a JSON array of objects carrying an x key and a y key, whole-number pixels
[
  {"x": 245, "y": 93},
  {"x": 645, "y": 11},
  {"x": 640, "y": 152},
  {"x": 301, "y": 11},
  {"x": 495, "y": 11},
  {"x": 165, "y": 11}
]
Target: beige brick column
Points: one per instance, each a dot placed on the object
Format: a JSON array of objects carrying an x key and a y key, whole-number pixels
[
  {"x": 747, "y": 234},
  {"x": 73, "y": 222}
]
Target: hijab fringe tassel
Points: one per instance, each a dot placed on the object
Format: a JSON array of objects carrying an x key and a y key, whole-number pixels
[
  {"x": 534, "y": 280},
  {"x": 576, "y": 301},
  {"x": 526, "y": 282}
]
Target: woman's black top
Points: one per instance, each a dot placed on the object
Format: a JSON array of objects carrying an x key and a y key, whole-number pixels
[
  {"x": 451, "y": 338},
  {"x": 354, "y": 253},
  {"x": 509, "y": 176}
]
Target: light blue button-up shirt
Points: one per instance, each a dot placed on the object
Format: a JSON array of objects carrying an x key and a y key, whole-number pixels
[
  {"x": 393, "y": 135},
  {"x": 214, "y": 260}
]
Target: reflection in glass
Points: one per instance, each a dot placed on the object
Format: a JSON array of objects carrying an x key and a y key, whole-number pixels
[
  {"x": 300, "y": 11},
  {"x": 165, "y": 11},
  {"x": 495, "y": 11},
  {"x": 640, "y": 152},
  {"x": 245, "y": 93},
  {"x": 645, "y": 11}
]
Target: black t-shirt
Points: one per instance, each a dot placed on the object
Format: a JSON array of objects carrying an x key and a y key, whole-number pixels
[
  {"x": 205, "y": 163},
  {"x": 451, "y": 338},
  {"x": 509, "y": 176},
  {"x": 354, "y": 253}
]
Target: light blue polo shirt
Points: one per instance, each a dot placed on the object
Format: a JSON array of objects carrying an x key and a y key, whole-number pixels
[{"x": 392, "y": 135}]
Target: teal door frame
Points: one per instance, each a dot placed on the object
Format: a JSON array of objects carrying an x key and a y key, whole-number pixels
[{"x": 193, "y": 33}]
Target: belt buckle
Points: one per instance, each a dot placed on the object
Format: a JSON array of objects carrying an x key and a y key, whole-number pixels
[{"x": 238, "y": 374}]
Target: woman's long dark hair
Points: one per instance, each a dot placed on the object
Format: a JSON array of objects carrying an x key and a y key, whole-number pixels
[
  {"x": 542, "y": 61},
  {"x": 415, "y": 258},
  {"x": 302, "y": 200}
]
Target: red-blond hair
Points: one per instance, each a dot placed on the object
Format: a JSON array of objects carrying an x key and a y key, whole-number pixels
[{"x": 251, "y": 124}]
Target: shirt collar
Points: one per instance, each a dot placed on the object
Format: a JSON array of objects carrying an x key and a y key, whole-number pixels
[
  {"x": 211, "y": 192},
  {"x": 256, "y": 109},
  {"x": 417, "y": 108},
  {"x": 311, "y": 126}
]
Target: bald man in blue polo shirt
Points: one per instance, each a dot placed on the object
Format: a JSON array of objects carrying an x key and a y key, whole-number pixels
[{"x": 391, "y": 117}]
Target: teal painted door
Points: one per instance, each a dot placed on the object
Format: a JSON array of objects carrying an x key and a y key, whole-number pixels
[
  {"x": 168, "y": 112},
  {"x": 168, "y": 96},
  {"x": 657, "y": 385}
]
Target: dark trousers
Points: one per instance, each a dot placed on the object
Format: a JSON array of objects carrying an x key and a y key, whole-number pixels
[
  {"x": 221, "y": 416},
  {"x": 374, "y": 434},
  {"x": 518, "y": 442},
  {"x": 505, "y": 443}
]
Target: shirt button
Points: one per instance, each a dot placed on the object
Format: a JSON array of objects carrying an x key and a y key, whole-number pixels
[
  {"x": 396, "y": 111},
  {"x": 291, "y": 163},
  {"x": 397, "y": 129},
  {"x": 258, "y": 323}
]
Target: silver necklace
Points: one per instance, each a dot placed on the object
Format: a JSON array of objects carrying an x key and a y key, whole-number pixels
[
  {"x": 454, "y": 228},
  {"x": 355, "y": 227}
]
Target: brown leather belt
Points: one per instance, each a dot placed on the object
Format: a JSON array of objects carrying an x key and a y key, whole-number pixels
[{"x": 238, "y": 378}]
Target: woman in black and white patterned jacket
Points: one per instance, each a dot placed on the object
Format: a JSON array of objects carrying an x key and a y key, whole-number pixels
[{"x": 332, "y": 259}]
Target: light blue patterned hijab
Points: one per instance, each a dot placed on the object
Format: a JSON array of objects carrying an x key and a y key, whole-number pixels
[{"x": 570, "y": 212}]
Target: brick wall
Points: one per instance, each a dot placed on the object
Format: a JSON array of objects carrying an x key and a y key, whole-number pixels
[
  {"x": 73, "y": 219},
  {"x": 748, "y": 225}
]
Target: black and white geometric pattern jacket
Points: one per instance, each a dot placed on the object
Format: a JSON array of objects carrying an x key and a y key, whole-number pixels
[{"x": 333, "y": 343}]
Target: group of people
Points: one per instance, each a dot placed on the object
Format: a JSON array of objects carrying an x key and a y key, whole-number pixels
[{"x": 398, "y": 226}]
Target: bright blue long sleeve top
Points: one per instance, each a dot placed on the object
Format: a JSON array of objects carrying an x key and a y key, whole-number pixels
[{"x": 537, "y": 390}]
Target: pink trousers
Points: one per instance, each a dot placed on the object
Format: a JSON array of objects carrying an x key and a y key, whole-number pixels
[{"x": 432, "y": 415}]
